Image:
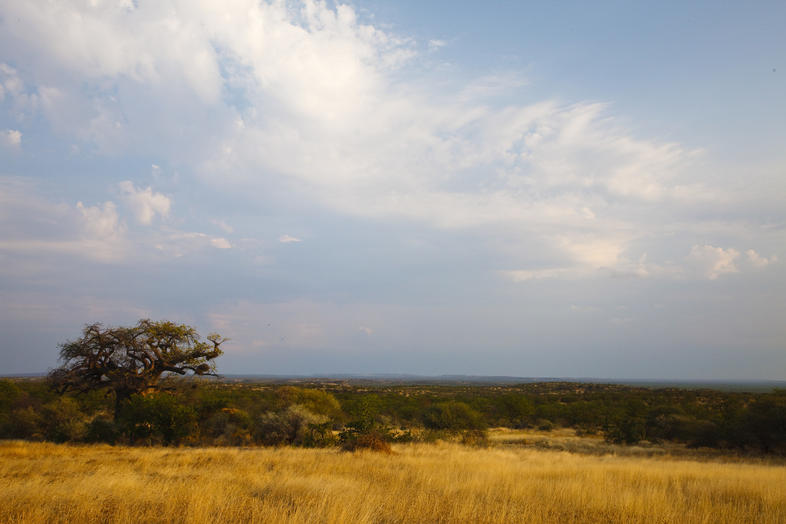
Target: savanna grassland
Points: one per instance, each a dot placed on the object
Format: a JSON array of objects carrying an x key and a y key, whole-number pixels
[{"x": 437, "y": 482}]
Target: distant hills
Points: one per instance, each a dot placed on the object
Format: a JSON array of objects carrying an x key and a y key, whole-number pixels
[{"x": 405, "y": 378}]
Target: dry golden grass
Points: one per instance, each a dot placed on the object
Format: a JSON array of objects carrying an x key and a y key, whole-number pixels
[
  {"x": 566, "y": 439},
  {"x": 418, "y": 483}
]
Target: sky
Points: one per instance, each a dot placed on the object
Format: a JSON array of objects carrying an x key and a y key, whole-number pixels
[{"x": 539, "y": 189}]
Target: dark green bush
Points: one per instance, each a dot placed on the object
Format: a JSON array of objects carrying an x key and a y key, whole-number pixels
[
  {"x": 157, "y": 419},
  {"x": 228, "y": 427},
  {"x": 63, "y": 421},
  {"x": 102, "y": 429},
  {"x": 24, "y": 423},
  {"x": 453, "y": 416}
]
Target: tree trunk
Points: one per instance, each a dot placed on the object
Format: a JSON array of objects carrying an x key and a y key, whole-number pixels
[{"x": 121, "y": 397}]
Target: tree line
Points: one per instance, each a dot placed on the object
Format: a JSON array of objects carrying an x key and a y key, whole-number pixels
[
  {"x": 147, "y": 384},
  {"x": 198, "y": 412}
]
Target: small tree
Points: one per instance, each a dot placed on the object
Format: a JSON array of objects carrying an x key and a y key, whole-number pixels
[{"x": 130, "y": 360}]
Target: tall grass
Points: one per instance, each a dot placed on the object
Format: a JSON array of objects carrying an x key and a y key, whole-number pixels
[{"x": 417, "y": 483}]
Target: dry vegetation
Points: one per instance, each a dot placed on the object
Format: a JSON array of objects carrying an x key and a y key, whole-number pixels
[{"x": 417, "y": 483}]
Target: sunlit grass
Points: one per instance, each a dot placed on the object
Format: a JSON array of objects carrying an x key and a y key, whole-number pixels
[{"x": 418, "y": 483}]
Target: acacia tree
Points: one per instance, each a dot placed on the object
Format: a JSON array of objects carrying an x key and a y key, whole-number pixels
[{"x": 129, "y": 360}]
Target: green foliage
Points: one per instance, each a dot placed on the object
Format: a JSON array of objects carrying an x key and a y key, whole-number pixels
[
  {"x": 228, "y": 427},
  {"x": 314, "y": 400},
  {"x": 627, "y": 424},
  {"x": 25, "y": 423},
  {"x": 157, "y": 419},
  {"x": 132, "y": 360},
  {"x": 454, "y": 416},
  {"x": 63, "y": 421},
  {"x": 295, "y": 425},
  {"x": 10, "y": 395},
  {"x": 195, "y": 411},
  {"x": 102, "y": 429}
]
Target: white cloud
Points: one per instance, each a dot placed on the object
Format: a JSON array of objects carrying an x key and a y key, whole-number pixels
[
  {"x": 712, "y": 262},
  {"x": 11, "y": 138},
  {"x": 144, "y": 202},
  {"x": 220, "y": 243},
  {"x": 287, "y": 239},
  {"x": 175, "y": 243},
  {"x": 31, "y": 224},
  {"x": 101, "y": 222},
  {"x": 310, "y": 98},
  {"x": 759, "y": 261}
]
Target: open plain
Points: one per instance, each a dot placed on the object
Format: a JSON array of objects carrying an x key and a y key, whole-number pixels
[{"x": 441, "y": 482}]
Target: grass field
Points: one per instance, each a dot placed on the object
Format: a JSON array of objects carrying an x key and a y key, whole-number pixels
[{"x": 417, "y": 483}]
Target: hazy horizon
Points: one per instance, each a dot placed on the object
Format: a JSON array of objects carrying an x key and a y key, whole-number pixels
[{"x": 378, "y": 187}]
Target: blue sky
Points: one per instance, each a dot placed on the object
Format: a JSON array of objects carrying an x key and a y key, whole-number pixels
[{"x": 510, "y": 188}]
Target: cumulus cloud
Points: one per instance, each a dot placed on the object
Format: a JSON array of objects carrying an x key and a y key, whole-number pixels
[
  {"x": 759, "y": 261},
  {"x": 11, "y": 138},
  {"x": 712, "y": 262},
  {"x": 30, "y": 224},
  {"x": 145, "y": 203},
  {"x": 101, "y": 222},
  {"x": 313, "y": 101}
]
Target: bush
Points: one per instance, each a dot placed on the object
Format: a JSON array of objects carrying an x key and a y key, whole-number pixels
[
  {"x": 24, "y": 423},
  {"x": 453, "y": 416},
  {"x": 295, "y": 425},
  {"x": 372, "y": 440},
  {"x": 475, "y": 437},
  {"x": 102, "y": 429},
  {"x": 157, "y": 419},
  {"x": 545, "y": 425},
  {"x": 62, "y": 420},
  {"x": 315, "y": 401},
  {"x": 625, "y": 430},
  {"x": 228, "y": 427}
]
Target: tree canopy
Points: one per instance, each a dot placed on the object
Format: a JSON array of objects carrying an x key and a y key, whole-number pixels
[{"x": 129, "y": 360}]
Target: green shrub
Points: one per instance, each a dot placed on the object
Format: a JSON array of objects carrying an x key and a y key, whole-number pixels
[
  {"x": 63, "y": 421},
  {"x": 24, "y": 423},
  {"x": 453, "y": 416},
  {"x": 228, "y": 427},
  {"x": 295, "y": 425},
  {"x": 157, "y": 419},
  {"x": 315, "y": 401},
  {"x": 102, "y": 429}
]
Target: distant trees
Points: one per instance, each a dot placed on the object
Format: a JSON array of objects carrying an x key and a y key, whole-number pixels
[
  {"x": 132, "y": 360},
  {"x": 361, "y": 416}
]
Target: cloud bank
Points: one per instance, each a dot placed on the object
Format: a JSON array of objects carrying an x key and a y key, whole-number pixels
[{"x": 290, "y": 116}]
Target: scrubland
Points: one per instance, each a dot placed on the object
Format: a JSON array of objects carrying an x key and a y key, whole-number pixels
[{"x": 442, "y": 482}]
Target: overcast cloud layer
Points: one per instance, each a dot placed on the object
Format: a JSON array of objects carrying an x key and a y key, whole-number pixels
[{"x": 335, "y": 193}]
